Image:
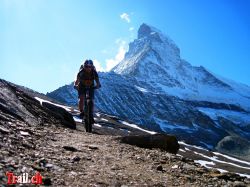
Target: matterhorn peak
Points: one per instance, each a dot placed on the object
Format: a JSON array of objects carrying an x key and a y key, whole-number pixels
[
  {"x": 146, "y": 30},
  {"x": 151, "y": 50},
  {"x": 152, "y": 34}
]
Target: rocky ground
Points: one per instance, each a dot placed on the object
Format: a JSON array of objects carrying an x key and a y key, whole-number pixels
[{"x": 68, "y": 156}]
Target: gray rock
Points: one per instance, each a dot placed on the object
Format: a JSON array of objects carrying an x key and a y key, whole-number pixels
[
  {"x": 49, "y": 165},
  {"x": 92, "y": 146},
  {"x": 24, "y": 133},
  {"x": 4, "y": 130},
  {"x": 70, "y": 148},
  {"x": 65, "y": 117},
  {"x": 239, "y": 184},
  {"x": 76, "y": 159},
  {"x": 165, "y": 142},
  {"x": 47, "y": 181},
  {"x": 189, "y": 167},
  {"x": 159, "y": 168}
]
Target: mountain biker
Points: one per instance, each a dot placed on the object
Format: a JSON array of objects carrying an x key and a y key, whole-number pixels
[{"x": 85, "y": 78}]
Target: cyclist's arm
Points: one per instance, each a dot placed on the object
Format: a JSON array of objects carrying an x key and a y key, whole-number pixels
[
  {"x": 97, "y": 79},
  {"x": 77, "y": 80}
]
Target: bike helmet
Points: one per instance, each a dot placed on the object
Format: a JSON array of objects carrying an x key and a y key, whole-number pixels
[
  {"x": 91, "y": 62},
  {"x": 88, "y": 63}
]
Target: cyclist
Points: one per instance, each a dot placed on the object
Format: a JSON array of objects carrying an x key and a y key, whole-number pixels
[{"x": 85, "y": 80}]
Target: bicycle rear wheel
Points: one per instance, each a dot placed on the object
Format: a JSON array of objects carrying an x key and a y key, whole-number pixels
[{"x": 90, "y": 115}]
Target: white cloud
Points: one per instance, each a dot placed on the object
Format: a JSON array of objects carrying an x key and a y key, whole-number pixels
[
  {"x": 125, "y": 17},
  {"x": 131, "y": 28},
  {"x": 110, "y": 63},
  {"x": 98, "y": 66},
  {"x": 120, "y": 42}
]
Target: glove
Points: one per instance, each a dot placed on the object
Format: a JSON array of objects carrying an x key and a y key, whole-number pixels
[
  {"x": 98, "y": 86},
  {"x": 76, "y": 87}
]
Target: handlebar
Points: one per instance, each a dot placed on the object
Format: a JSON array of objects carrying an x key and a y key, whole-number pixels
[{"x": 93, "y": 87}]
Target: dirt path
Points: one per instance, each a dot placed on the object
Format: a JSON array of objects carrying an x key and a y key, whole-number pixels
[{"x": 76, "y": 158}]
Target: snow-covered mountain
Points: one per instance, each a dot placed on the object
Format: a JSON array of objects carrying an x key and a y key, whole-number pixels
[
  {"x": 155, "y": 88},
  {"x": 155, "y": 59}
]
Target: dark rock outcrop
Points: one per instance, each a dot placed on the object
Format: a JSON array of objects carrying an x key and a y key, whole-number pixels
[
  {"x": 235, "y": 146},
  {"x": 65, "y": 117},
  {"x": 165, "y": 142},
  {"x": 16, "y": 104}
]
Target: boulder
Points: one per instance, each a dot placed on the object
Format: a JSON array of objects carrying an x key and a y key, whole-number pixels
[
  {"x": 61, "y": 114},
  {"x": 235, "y": 146},
  {"x": 165, "y": 142},
  {"x": 17, "y": 103}
]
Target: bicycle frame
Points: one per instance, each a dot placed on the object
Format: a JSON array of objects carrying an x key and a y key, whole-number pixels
[{"x": 88, "y": 113}]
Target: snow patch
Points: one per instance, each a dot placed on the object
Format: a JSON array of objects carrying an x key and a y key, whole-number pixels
[
  {"x": 231, "y": 158},
  {"x": 141, "y": 89},
  {"x": 243, "y": 175},
  {"x": 77, "y": 119},
  {"x": 103, "y": 119},
  {"x": 204, "y": 163},
  {"x": 220, "y": 161},
  {"x": 238, "y": 118},
  {"x": 97, "y": 125},
  {"x": 125, "y": 130},
  {"x": 221, "y": 170},
  {"x": 194, "y": 146},
  {"x": 165, "y": 126},
  {"x": 69, "y": 109},
  {"x": 136, "y": 127}
]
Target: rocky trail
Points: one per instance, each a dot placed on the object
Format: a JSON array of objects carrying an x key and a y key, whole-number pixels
[{"x": 67, "y": 157}]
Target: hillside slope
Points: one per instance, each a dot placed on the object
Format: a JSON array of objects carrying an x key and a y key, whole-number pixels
[{"x": 33, "y": 139}]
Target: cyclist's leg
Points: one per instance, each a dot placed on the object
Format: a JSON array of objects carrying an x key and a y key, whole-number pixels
[
  {"x": 92, "y": 96},
  {"x": 81, "y": 96},
  {"x": 81, "y": 103}
]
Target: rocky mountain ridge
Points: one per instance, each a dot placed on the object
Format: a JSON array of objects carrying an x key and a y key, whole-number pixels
[
  {"x": 155, "y": 59},
  {"x": 65, "y": 156}
]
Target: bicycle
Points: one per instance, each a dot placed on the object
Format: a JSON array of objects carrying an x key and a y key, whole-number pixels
[{"x": 88, "y": 119}]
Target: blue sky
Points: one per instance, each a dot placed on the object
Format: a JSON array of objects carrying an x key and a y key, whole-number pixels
[{"x": 43, "y": 42}]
